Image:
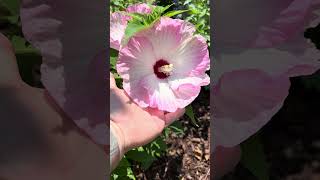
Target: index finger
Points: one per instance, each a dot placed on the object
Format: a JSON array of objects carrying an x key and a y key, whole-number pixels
[{"x": 112, "y": 81}]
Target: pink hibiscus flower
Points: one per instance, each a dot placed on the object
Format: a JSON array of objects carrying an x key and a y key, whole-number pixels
[
  {"x": 259, "y": 46},
  {"x": 164, "y": 66},
  {"x": 119, "y": 21},
  {"x": 139, "y": 8}
]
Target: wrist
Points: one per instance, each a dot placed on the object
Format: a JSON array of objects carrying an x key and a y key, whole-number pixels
[{"x": 118, "y": 147}]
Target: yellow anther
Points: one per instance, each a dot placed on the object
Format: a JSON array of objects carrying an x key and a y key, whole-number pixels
[{"x": 166, "y": 69}]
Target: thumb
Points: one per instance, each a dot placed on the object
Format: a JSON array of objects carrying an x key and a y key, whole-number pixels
[
  {"x": 171, "y": 117},
  {"x": 112, "y": 82},
  {"x": 9, "y": 72}
]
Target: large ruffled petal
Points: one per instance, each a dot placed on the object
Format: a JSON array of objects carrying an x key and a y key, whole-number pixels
[
  {"x": 167, "y": 35},
  {"x": 271, "y": 61},
  {"x": 253, "y": 64},
  {"x": 261, "y": 23},
  {"x": 175, "y": 94},
  {"x": 291, "y": 20},
  {"x": 192, "y": 56},
  {"x": 136, "y": 61},
  {"x": 160, "y": 95},
  {"x": 186, "y": 89},
  {"x": 74, "y": 66},
  {"x": 250, "y": 88},
  {"x": 244, "y": 101},
  {"x": 167, "y": 95}
]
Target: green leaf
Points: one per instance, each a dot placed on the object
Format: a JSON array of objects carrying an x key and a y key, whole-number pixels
[
  {"x": 123, "y": 170},
  {"x": 113, "y": 61},
  {"x": 116, "y": 76},
  {"x": 130, "y": 174},
  {"x": 190, "y": 114},
  {"x": 186, "y": 2},
  {"x": 139, "y": 156},
  {"x": 253, "y": 158},
  {"x": 311, "y": 82},
  {"x": 159, "y": 144},
  {"x": 12, "y": 5},
  {"x": 117, "y": 3},
  {"x": 124, "y": 163},
  {"x": 159, "y": 9},
  {"x": 207, "y": 88},
  {"x": 27, "y": 59},
  {"x": 132, "y": 29},
  {"x": 18, "y": 42},
  {"x": 166, "y": 132},
  {"x": 173, "y": 13},
  {"x": 146, "y": 164},
  {"x": 20, "y": 46},
  {"x": 26, "y": 64},
  {"x": 113, "y": 58},
  {"x": 13, "y": 19},
  {"x": 177, "y": 127},
  {"x": 136, "y": 16},
  {"x": 113, "y": 52},
  {"x": 142, "y": 21},
  {"x": 123, "y": 173}
]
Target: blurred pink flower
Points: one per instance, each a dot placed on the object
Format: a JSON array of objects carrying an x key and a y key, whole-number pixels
[
  {"x": 164, "y": 67},
  {"x": 118, "y": 25},
  {"x": 139, "y": 8},
  {"x": 69, "y": 37},
  {"x": 259, "y": 45},
  {"x": 119, "y": 21}
]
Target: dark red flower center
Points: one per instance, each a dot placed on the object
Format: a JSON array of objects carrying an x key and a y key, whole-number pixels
[{"x": 162, "y": 69}]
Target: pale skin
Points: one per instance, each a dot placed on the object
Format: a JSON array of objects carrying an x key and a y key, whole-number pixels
[
  {"x": 132, "y": 125},
  {"x": 39, "y": 142}
]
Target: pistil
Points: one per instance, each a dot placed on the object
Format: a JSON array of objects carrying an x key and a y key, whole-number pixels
[{"x": 166, "y": 69}]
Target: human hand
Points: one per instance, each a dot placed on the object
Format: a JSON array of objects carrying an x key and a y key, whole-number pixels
[
  {"x": 132, "y": 125},
  {"x": 38, "y": 141}
]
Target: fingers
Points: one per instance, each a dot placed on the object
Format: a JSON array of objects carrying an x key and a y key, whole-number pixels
[
  {"x": 9, "y": 73},
  {"x": 156, "y": 112},
  {"x": 171, "y": 117},
  {"x": 167, "y": 117},
  {"x": 112, "y": 82}
]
